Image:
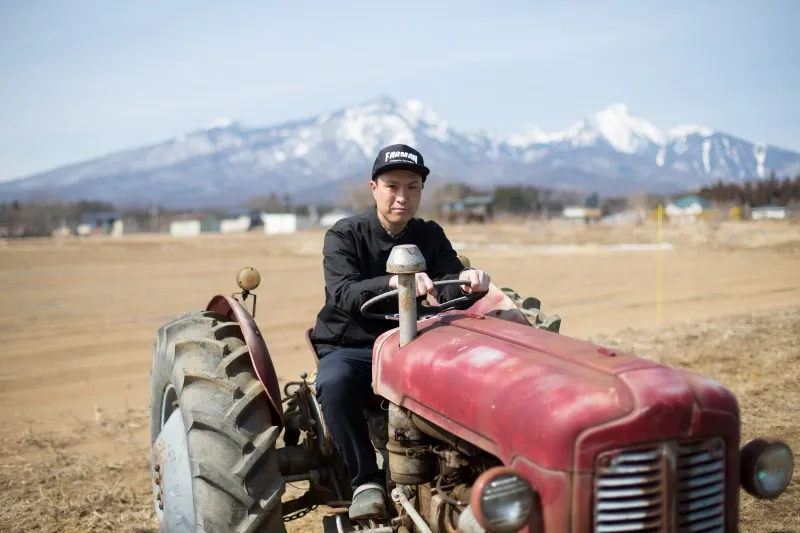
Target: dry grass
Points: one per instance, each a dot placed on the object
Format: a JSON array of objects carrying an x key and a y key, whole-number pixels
[
  {"x": 59, "y": 482},
  {"x": 53, "y": 482},
  {"x": 78, "y": 333},
  {"x": 757, "y": 356}
]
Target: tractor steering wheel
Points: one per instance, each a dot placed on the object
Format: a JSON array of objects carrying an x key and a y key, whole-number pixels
[{"x": 424, "y": 309}]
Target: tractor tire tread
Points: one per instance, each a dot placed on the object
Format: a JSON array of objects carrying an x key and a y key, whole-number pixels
[
  {"x": 255, "y": 392},
  {"x": 228, "y": 363},
  {"x": 261, "y": 445},
  {"x": 231, "y": 437},
  {"x": 224, "y": 483}
]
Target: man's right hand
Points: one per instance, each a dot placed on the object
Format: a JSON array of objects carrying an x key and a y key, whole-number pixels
[{"x": 423, "y": 283}]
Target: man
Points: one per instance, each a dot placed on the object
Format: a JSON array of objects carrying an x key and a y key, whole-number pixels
[{"x": 355, "y": 251}]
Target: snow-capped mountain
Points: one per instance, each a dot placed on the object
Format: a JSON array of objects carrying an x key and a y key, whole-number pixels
[{"x": 612, "y": 151}]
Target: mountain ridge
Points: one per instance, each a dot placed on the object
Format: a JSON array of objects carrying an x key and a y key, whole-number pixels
[{"x": 612, "y": 151}]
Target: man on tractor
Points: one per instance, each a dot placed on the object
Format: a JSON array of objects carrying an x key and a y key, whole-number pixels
[{"x": 355, "y": 252}]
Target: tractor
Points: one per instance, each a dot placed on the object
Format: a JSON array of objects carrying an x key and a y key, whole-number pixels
[{"x": 484, "y": 418}]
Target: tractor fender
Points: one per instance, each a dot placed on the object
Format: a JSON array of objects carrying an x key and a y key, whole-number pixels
[
  {"x": 259, "y": 353},
  {"x": 497, "y": 304}
]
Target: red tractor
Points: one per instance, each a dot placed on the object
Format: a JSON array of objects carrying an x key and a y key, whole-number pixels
[{"x": 484, "y": 418}]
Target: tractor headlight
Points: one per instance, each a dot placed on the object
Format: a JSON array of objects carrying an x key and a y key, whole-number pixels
[
  {"x": 767, "y": 467},
  {"x": 501, "y": 500}
]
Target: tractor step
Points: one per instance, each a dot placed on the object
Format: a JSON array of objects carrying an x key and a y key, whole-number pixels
[{"x": 340, "y": 523}]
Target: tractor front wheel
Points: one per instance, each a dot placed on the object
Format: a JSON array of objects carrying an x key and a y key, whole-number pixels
[{"x": 214, "y": 459}]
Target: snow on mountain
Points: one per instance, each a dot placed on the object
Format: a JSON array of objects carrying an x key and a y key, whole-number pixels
[
  {"x": 614, "y": 125},
  {"x": 612, "y": 151},
  {"x": 697, "y": 153},
  {"x": 685, "y": 130}
]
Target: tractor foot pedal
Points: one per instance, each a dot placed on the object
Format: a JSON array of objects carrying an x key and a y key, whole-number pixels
[{"x": 340, "y": 523}]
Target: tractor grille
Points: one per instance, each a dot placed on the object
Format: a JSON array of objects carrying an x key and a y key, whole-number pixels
[{"x": 663, "y": 488}]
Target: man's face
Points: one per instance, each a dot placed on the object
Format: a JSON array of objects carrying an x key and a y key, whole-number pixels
[{"x": 397, "y": 194}]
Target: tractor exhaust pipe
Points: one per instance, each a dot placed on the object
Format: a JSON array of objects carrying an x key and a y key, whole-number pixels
[{"x": 405, "y": 260}]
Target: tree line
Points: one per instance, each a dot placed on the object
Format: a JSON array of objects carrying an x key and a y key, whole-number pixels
[
  {"x": 33, "y": 219},
  {"x": 40, "y": 218},
  {"x": 755, "y": 192}
]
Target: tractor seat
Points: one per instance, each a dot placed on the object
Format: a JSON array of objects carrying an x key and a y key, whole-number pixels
[{"x": 372, "y": 401}]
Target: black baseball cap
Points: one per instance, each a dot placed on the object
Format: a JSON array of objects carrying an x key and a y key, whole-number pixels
[{"x": 399, "y": 156}]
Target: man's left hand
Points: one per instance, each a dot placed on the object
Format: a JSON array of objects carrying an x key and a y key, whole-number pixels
[{"x": 479, "y": 281}]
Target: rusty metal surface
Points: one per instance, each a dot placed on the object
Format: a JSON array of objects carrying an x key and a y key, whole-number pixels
[
  {"x": 550, "y": 402},
  {"x": 406, "y": 295},
  {"x": 630, "y": 491},
  {"x": 711, "y": 394},
  {"x": 498, "y": 305},
  {"x": 661, "y": 487},
  {"x": 405, "y": 259},
  {"x": 259, "y": 353},
  {"x": 408, "y": 464},
  {"x": 667, "y": 408},
  {"x": 400, "y": 496},
  {"x": 553, "y": 506},
  {"x": 495, "y": 384}
]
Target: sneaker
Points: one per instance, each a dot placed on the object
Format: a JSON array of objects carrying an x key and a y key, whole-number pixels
[{"x": 369, "y": 502}]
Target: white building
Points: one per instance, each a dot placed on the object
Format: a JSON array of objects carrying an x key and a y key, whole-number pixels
[
  {"x": 576, "y": 213},
  {"x": 275, "y": 223},
  {"x": 329, "y": 219},
  {"x": 771, "y": 211},
  {"x": 117, "y": 228},
  {"x": 240, "y": 224},
  {"x": 184, "y": 228}
]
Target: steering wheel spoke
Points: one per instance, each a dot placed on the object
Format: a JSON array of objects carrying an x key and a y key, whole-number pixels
[{"x": 425, "y": 310}]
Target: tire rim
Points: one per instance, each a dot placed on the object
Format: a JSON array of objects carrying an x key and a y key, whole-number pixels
[
  {"x": 172, "y": 480},
  {"x": 169, "y": 397}
]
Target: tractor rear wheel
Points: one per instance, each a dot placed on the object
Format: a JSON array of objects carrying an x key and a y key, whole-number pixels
[{"x": 214, "y": 457}]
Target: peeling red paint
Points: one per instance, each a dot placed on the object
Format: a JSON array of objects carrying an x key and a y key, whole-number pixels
[
  {"x": 549, "y": 404},
  {"x": 484, "y": 379}
]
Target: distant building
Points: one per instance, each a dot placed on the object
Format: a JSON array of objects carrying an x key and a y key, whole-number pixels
[
  {"x": 468, "y": 209},
  {"x": 687, "y": 209},
  {"x": 578, "y": 213},
  {"x": 184, "y": 228},
  {"x": 329, "y": 219},
  {"x": 100, "y": 223},
  {"x": 189, "y": 227},
  {"x": 277, "y": 223},
  {"x": 769, "y": 211},
  {"x": 236, "y": 221}
]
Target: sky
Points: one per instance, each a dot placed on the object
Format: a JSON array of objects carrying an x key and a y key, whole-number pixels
[{"x": 83, "y": 78}]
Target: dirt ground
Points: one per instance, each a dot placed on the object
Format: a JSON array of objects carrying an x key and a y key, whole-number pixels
[{"x": 79, "y": 317}]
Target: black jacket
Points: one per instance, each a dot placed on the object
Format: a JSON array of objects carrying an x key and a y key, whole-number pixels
[{"x": 355, "y": 251}]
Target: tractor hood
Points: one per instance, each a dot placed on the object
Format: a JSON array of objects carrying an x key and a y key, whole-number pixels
[{"x": 517, "y": 391}]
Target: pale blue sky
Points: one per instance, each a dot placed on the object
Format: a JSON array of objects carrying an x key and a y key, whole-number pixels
[{"x": 81, "y": 78}]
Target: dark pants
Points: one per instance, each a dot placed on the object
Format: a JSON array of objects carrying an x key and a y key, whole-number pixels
[{"x": 344, "y": 381}]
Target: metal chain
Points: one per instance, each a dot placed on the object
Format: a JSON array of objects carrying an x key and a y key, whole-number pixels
[{"x": 298, "y": 514}]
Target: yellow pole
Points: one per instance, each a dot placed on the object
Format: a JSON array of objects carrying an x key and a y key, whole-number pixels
[{"x": 660, "y": 275}]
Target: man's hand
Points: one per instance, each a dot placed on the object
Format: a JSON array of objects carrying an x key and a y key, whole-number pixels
[
  {"x": 479, "y": 281},
  {"x": 423, "y": 283}
]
